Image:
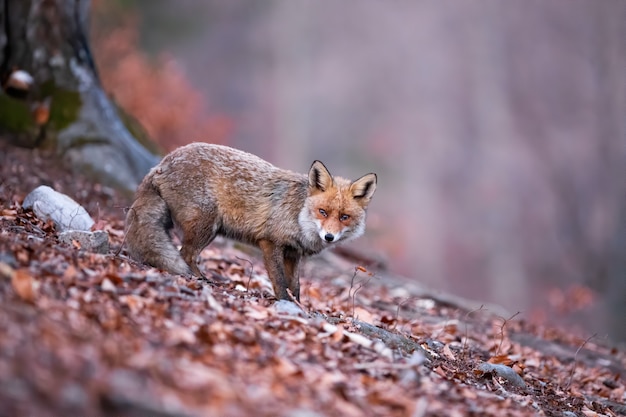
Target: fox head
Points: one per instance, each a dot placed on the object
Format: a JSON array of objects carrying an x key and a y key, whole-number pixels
[{"x": 335, "y": 208}]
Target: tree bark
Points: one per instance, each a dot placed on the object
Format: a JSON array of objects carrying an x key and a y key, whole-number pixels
[{"x": 64, "y": 108}]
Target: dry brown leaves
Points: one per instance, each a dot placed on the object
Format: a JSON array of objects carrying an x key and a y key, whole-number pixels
[
  {"x": 86, "y": 334},
  {"x": 155, "y": 90}
]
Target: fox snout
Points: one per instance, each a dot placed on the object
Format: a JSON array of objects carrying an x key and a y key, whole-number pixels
[{"x": 329, "y": 236}]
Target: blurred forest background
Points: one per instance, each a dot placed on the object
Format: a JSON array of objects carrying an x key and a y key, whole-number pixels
[{"x": 498, "y": 130}]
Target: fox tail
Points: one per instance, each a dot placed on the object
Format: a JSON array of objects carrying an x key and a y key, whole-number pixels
[{"x": 148, "y": 225}]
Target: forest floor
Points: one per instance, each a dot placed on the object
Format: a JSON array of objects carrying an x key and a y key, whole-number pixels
[{"x": 98, "y": 334}]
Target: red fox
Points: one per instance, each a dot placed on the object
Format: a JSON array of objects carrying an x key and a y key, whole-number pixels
[{"x": 207, "y": 190}]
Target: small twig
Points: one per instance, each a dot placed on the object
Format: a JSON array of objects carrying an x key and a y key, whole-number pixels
[
  {"x": 98, "y": 212},
  {"x": 398, "y": 311},
  {"x": 119, "y": 250},
  {"x": 251, "y": 270},
  {"x": 361, "y": 285},
  {"x": 295, "y": 300},
  {"x": 571, "y": 376},
  {"x": 357, "y": 269},
  {"x": 504, "y": 322},
  {"x": 466, "y": 326},
  {"x": 354, "y": 297}
]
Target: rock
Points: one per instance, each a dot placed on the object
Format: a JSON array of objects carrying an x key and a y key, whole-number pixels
[
  {"x": 66, "y": 213},
  {"x": 285, "y": 307},
  {"x": 70, "y": 219},
  {"x": 97, "y": 241},
  {"x": 502, "y": 371}
]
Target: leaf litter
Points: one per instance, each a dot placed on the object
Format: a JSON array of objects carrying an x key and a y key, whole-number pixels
[{"x": 98, "y": 335}]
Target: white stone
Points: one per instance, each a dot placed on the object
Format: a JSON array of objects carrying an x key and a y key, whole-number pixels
[
  {"x": 67, "y": 214},
  {"x": 285, "y": 307}
]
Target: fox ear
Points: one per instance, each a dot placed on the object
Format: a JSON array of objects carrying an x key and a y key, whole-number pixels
[
  {"x": 363, "y": 188},
  {"x": 319, "y": 177}
]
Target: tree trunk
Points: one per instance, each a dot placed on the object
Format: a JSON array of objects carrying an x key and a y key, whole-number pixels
[{"x": 52, "y": 96}]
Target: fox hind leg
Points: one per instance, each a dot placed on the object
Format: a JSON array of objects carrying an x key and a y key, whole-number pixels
[
  {"x": 198, "y": 233},
  {"x": 192, "y": 246}
]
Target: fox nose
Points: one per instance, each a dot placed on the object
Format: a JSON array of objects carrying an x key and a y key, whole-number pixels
[{"x": 329, "y": 237}]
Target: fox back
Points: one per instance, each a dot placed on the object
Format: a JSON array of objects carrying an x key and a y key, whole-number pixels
[{"x": 208, "y": 190}]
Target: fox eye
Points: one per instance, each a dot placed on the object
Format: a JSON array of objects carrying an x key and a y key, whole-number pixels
[
  {"x": 344, "y": 217},
  {"x": 323, "y": 212}
]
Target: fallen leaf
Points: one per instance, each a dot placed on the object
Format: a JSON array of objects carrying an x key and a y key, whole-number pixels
[
  {"x": 107, "y": 285},
  {"x": 69, "y": 275},
  {"x": 363, "y": 315},
  {"x": 447, "y": 352},
  {"x": 24, "y": 285},
  {"x": 134, "y": 302},
  {"x": 6, "y": 271},
  {"x": 180, "y": 335},
  {"x": 501, "y": 359}
]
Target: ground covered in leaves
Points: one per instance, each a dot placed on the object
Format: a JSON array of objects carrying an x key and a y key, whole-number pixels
[{"x": 96, "y": 335}]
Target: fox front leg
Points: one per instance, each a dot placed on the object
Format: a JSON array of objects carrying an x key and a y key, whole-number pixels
[
  {"x": 292, "y": 261},
  {"x": 274, "y": 258}
]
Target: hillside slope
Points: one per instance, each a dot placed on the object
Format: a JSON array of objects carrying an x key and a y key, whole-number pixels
[{"x": 98, "y": 335}]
